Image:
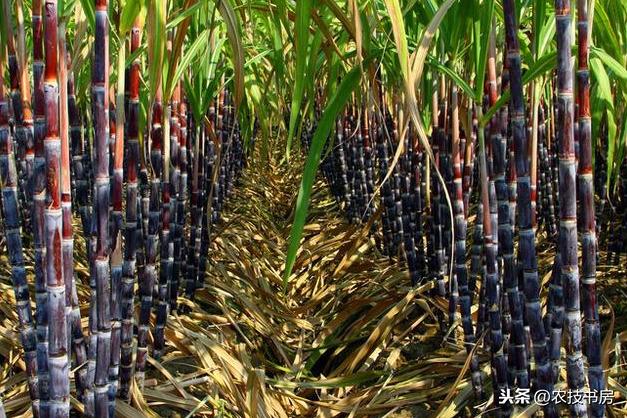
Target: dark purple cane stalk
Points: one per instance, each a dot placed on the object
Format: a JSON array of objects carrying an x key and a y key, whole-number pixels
[
  {"x": 516, "y": 350},
  {"x": 117, "y": 135},
  {"x": 208, "y": 180},
  {"x": 469, "y": 161},
  {"x": 152, "y": 240},
  {"x": 132, "y": 227},
  {"x": 368, "y": 160},
  {"x": 527, "y": 247},
  {"x": 208, "y": 210},
  {"x": 568, "y": 204},
  {"x": 461, "y": 270},
  {"x": 76, "y": 338},
  {"x": 100, "y": 267},
  {"x": 191, "y": 270},
  {"x": 12, "y": 230},
  {"x": 80, "y": 158},
  {"x": 589, "y": 239},
  {"x": 491, "y": 285},
  {"x": 16, "y": 95},
  {"x": 178, "y": 201},
  {"x": 418, "y": 207},
  {"x": 387, "y": 198},
  {"x": 438, "y": 264},
  {"x": 408, "y": 201},
  {"x": 165, "y": 239},
  {"x": 21, "y": 100},
  {"x": 115, "y": 251}
]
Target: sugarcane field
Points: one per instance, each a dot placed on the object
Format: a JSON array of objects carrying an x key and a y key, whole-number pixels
[{"x": 313, "y": 208}]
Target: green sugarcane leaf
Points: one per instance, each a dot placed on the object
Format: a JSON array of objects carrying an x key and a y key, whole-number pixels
[
  {"x": 184, "y": 15},
  {"x": 192, "y": 98},
  {"x": 622, "y": 145},
  {"x": 233, "y": 32},
  {"x": 603, "y": 89},
  {"x": 602, "y": 20},
  {"x": 597, "y": 107},
  {"x": 547, "y": 34},
  {"x": 129, "y": 13},
  {"x": 617, "y": 68},
  {"x": 310, "y": 79},
  {"x": 458, "y": 79},
  {"x": 487, "y": 12},
  {"x": 613, "y": 162},
  {"x": 400, "y": 37},
  {"x": 190, "y": 54},
  {"x": 156, "y": 45},
  {"x": 277, "y": 43},
  {"x": 539, "y": 17},
  {"x": 326, "y": 124},
  {"x": 303, "y": 16},
  {"x": 89, "y": 8}
]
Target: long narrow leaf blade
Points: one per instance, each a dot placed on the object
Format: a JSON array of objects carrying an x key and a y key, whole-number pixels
[{"x": 335, "y": 106}]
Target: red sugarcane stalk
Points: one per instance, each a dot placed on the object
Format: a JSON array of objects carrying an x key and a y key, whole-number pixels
[
  {"x": 55, "y": 278},
  {"x": 39, "y": 202}
]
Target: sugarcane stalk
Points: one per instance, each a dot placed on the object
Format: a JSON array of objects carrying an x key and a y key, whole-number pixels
[
  {"x": 132, "y": 230},
  {"x": 469, "y": 160},
  {"x": 12, "y": 230},
  {"x": 100, "y": 266},
  {"x": 184, "y": 185},
  {"x": 55, "y": 279},
  {"x": 568, "y": 204},
  {"x": 436, "y": 228},
  {"x": 418, "y": 205},
  {"x": 178, "y": 202},
  {"x": 80, "y": 165},
  {"x": 167, "y": 246},
  {"x": 38, "y": 188},
  {"x": 368, "y": 160},
  {"x": 527, "y": 244},
  {"x": 191, "y": 270},
  {"x": 80, "y": 159},
  {"x": 152, "y": 239},
  {"x": 461, "y": 270},
  {"x": 73, "y": 315},
  {"x": 408, "y": 201},
  {"x": 117, "y": 227},
  {"x": 492, "y": 293},
  {"x": 589, "y": 240},
  {"x": 15, "y": 78},
  {"x": 25, "y": 93}
]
